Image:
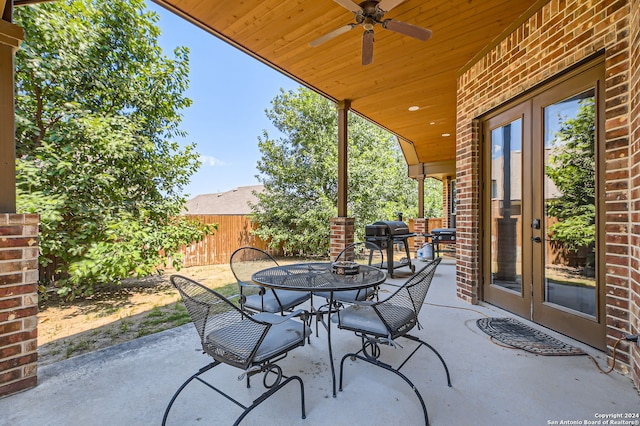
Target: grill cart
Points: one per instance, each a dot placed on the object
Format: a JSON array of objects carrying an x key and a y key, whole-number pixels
[
  {"x": 443, "y": 240},
  {"x": 387, "y": 233}
]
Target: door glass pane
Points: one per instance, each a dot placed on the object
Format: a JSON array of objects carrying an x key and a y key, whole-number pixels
[
  {"x": 570, "y": 210},
  {"x": 454, "y": 205},
  {"x": 506, "y": 206}
]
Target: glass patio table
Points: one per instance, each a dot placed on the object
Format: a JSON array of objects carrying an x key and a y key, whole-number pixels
[{"x": 318, "y": 277}]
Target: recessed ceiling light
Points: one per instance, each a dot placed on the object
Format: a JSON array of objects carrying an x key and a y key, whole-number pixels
[
  {"x": 446, "y": 134},
  {"x": 414, "y": 108},
  {"x": 432, "y": 123}
]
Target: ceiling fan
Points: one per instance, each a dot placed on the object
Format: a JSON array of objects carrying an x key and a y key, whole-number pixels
[{"x": 368, "y": 14}]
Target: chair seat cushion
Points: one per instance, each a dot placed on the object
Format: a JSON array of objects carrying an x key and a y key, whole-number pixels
[
  {"x": 288, "y": 300},
  {"x": 282, "y": 335},
  {"x": 364, "y": 318},
  {"x": 348, "y": 296}
]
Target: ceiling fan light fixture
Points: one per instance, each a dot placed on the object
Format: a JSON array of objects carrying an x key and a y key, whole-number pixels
[{"x": 368, "y": 24}]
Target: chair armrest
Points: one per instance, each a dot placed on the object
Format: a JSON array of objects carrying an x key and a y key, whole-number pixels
[
  {"x": 363, "y": 303},
  {"x": 262, "y": 290},
  {"x": 233, "y": 298},
  {"x": 273, "y": 319},
  {"x": 302, "y": 313}
]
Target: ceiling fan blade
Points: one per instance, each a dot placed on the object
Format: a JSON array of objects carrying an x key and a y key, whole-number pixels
[
  {"x": 333, "y": 34},
  {"x": 410, "y": 30},
  {"x": 367, "y": 47},
  {"x": 349, "y": 5},
  {"x": 387, "y": 5}
]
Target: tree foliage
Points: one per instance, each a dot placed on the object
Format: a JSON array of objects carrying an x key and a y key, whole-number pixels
[
  {"x": 433, "y": 198},
  {"x": 299, "y": 172},
  {"x": 97, "y": 109},
  {"x": 572, "y": 170}
]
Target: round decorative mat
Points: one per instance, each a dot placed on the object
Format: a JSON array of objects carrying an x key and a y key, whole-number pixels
[{"x": 514, "y": 333}]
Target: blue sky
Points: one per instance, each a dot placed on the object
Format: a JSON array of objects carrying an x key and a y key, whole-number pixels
[{"x": 230, "y": 92}]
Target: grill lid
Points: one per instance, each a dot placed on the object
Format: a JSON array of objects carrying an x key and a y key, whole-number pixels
[
  {"x": 375, "y": 230},
  {"x": 394, "y": 227}
]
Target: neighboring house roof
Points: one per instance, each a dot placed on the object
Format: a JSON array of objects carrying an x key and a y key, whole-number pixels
[{"x": 233, "y": 202}]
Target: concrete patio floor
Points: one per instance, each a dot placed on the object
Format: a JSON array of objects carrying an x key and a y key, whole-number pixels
[{"x": 131, "y": 384}]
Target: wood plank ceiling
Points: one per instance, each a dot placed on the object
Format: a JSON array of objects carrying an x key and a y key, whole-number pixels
[{"x": 405, "y": 72}]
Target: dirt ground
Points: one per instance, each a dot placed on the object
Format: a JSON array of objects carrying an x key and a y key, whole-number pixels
[
  {"x": 121, "y": 313},
  {"x": 118, "y": 314}
]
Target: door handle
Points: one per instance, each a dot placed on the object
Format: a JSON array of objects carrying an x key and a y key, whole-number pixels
[{"x": 536, "y": 239}]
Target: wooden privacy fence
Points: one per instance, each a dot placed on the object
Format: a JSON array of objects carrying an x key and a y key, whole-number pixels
[
  {"x": 234, "y": 231},
  {"x": 432, "y": 223}
]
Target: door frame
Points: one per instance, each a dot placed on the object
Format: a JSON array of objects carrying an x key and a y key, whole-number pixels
[
  {"x": 519, "y": 304},
  {"x": 530, "y": 304},
  {"x": 561, "y": 319}
]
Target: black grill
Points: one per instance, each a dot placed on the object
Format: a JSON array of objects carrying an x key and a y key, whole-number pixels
[
  {"x": 443, "y": 240},
  {"x": 387, "y": 233},
  {"x": 445, "y": 234}
]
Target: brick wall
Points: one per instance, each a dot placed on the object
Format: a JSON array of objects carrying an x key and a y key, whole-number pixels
[
  {"x": 634, "y": 112},
  {"x": 561, "y": 34},
  {"x": 468, "y": 209},
  {"x": 18, "y": 302},
  {"x": 446, "y": 202},
  {"x": 342, "y": 234}
]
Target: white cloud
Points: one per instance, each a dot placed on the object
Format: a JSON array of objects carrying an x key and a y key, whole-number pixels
[{"x": 208, "y": 160}]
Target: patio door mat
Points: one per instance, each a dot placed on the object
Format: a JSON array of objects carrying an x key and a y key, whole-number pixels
[{"x": 514, "y": 333}]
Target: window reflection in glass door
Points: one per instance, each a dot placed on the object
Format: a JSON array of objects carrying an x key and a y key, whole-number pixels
[
  {"x": 570, "y": 203},
  {"x": 506, "y": 206}
]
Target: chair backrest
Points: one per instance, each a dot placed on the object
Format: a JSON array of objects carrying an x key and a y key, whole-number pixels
[
  {"x": 364, "y": 253},
  {"x": 246, "y": 261},
  {"x": 409, "y": 297},
  {"x": 227, "y": 334}
]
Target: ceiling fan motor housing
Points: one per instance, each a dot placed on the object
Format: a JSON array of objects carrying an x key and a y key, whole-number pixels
[{"x": 369, "y": 13}]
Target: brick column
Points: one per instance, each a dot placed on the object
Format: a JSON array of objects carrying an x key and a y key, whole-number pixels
[
  {"x": 18, "y": 302},
  {"x": 634, "y": 238},
  {"x": 419, "y": 227},
  {"x": 342, "y": 229},
  {"x": 446, "y": 202}
]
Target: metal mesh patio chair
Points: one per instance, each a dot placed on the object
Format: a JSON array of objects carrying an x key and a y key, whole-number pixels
[
  {"x": 363, "y": 253},
  {"x": 245, "y": 261},
  {"x": 253, "y": 343},
  {"x": 382, "y": 322}
]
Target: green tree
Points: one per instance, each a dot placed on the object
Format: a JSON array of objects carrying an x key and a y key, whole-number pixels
[
  {"x": 97, "y": 109},
  {"x": 572, "y": 170},
  {"x": 299, "y": 172},
  {"x": 433, "y": 198}
]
